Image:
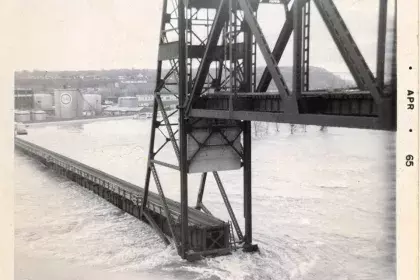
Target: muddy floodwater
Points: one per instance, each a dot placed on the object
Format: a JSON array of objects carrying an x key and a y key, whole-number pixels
[{"x": 323, "y": 207}]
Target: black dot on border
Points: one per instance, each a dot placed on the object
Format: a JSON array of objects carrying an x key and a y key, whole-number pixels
[
  {"x": 410, "y": 67},
  {"x": 410, "y": 130}
]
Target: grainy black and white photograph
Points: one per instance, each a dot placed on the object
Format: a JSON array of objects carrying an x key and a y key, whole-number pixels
[{"x": 205, "y": 140}]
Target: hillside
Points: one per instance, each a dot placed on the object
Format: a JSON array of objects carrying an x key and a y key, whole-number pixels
[{"x": 119, "y": 82}]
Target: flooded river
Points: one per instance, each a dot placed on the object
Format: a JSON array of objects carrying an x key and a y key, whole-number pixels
[{"x": 323, "y": 207}]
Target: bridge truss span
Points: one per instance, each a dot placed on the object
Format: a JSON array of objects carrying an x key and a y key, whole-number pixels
[{"x": 207, "y": 59}]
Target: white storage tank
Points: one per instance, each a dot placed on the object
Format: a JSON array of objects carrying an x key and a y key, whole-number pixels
[
  {"x": 92, "y": 102},
  {"x": 68, "y": 103},
  {"x": 128, "y": 101},
  {"x": 38, "y": 115},
  {"x": 43, "y": 101},
  {"x": 22, "y": 116}
]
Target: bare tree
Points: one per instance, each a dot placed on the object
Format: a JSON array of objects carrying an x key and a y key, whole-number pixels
[
  {"x": 259, "y": 129},
  {"x": 255, "y": 129},
  {"x": 292, "y": 128}
]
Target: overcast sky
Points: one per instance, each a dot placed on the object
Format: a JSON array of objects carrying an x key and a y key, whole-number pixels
[{"x": 105, "y": 34}]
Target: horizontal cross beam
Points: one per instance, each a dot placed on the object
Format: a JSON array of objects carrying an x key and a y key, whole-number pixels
[{"x": 304, "y": 119}]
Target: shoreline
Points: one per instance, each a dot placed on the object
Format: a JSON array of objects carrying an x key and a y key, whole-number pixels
[{"x": 78, "y": 120}]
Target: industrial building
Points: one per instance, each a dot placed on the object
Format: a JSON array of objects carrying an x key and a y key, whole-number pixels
[
  {"x": 70, "y": 103},
  {"x": 24, "y": 98}
]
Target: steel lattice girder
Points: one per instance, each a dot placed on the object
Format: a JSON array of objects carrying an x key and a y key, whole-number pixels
[
  {"x": 361, "y": 109},
  {"x": 348, "y": 48},
  {"x": 306, "y": 119},
  {"x": 355, "y": 109},
  {"x": 219, "y": 21},
  {"x": 278, "y": 50},
  {"x": 379, "y": 111},
  {"x": 168, "y": 51}
]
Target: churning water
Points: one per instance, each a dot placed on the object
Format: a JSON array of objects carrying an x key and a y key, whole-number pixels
[{"x": 323, "y": 207}]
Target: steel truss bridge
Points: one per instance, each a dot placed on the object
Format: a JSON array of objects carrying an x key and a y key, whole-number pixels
[
  {"x": 207, "y": 59},
  {"x": 214, "y": 78}
]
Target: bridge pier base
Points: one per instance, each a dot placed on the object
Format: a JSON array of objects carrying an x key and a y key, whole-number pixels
[{"x": 249, "y": 248}]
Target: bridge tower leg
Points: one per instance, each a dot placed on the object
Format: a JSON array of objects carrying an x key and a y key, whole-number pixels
[
  {"x": 249, "y": 86},
  {"x": 183, "y": 161},
  {"x": 205, "y": 47}
]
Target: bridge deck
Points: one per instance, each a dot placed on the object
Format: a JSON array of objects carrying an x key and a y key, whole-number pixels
[
  {"x": 208, "y": 235},
  {"x": 344, "y": 109}
]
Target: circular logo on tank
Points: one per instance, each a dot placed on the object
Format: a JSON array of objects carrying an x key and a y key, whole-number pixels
[{"x": 66, "y": 98}]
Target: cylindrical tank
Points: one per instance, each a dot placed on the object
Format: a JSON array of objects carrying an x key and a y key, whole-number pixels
[
  {"x": 22, "y": 116},
  {"x": 128, "y": 101},
  {"x": 68, "y": 103},
  {"x": 92, "y": 102},
  {"x": 43, "y": 101},
  {"x": 38, "y": 115}
]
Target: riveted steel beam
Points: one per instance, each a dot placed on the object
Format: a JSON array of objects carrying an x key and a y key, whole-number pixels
[
  {"x": 348, "y": 48},
  {"x": 227, "y": 204},
  {"x": 380, "y": 53},
  {"x": 170, "y": 51},
  {"x": 156, "y": 227},
  {"x": 201, "y": 190},
  {"x": 220, "y": 19},
  {"x": 183, "y": 156},
  {"x": 278, "y": 50},
  {"x": 308, "y": 119},
  {"x": 168, "y": 214},
  {"x": 268, "y": 57},
  {"x": 151, "y": 153},
  {"x": 297, "y": 47}
]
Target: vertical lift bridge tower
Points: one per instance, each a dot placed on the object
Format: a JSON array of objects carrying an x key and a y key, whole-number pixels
[{"x": 207, "y": 59}]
